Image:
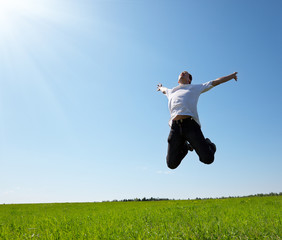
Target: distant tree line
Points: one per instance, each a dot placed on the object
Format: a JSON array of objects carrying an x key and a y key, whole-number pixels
[
  {"x": 253, "y": 195},
  {"x": 142, "y": 200},
  {"x": 268, "y": 194},
  {"x": 166, "y": 199}
]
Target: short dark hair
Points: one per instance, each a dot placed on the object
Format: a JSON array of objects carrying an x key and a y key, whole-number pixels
[{"x": 190, "y": 76}]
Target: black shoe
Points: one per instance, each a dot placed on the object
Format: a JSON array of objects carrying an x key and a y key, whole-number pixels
[
  {"x": 212, "y": 145},
  {"x": 190, "y": 148}
]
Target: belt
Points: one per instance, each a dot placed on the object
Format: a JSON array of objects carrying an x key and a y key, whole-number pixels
[{"x": 182, "y": 120}]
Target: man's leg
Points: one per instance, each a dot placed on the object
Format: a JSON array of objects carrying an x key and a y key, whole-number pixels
[
  {"x": 203, "y": 147},
  {"x": 177, "y": 148}
]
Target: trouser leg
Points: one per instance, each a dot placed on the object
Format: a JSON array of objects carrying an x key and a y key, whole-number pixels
[
  {"x": 177, "y": 148},
  {"x": 196, "y": 138}
]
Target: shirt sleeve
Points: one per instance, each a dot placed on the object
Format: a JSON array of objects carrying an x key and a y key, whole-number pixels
[
  {"x": 207, "y": 86},
  {"x": 168, "y": 92}
]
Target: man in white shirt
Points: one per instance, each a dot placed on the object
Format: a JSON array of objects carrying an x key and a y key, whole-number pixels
[{"x": 184, "y": 122}]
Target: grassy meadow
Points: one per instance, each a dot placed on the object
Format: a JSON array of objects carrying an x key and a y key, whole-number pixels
[{"x": 230, "y": 218}]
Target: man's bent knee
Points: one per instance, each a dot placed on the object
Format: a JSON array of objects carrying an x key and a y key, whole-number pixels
[
  {"x": 171, "y": 164},
  {"x": 207, "y": 159}
]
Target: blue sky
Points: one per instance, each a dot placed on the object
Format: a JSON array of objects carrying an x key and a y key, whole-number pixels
[{"x": 80, "y": 118}]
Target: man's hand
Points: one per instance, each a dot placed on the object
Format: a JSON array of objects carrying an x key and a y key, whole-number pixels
[
  {"x": 159, "y": 86},
  {"x": 225, "y": 79},
  {"x": 235, "y": 76}
]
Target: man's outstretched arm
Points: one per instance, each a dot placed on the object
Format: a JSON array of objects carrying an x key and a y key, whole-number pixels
[
  {"x": 161, "y": 88},
  {"x": 225, "y": 79}
]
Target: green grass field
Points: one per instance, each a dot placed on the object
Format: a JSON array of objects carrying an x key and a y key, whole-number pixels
[{"x": 232, "y": 218}]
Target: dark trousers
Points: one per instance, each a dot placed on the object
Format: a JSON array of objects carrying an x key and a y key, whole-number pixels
[{"x": 181, "y": 132}]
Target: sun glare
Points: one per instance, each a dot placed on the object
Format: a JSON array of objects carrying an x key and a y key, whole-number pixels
[
  {"x": 30, "y": 30},
  {"x": 19, "y": 29},
  {"x": 11, "y": 13},
  {"x": 11, "y": 4},
  {"x": 14, "y": 14},
  {"x": 28, "y": 27}
]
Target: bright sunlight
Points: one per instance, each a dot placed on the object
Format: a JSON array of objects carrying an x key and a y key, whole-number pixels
[
  {"x": 10, "y": 12},
  {"x": 14, "y": 13}
]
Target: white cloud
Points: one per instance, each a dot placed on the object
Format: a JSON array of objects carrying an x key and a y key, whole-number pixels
[{"x": 164, "y": 172}]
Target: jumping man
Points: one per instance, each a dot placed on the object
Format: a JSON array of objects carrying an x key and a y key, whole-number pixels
[{"x": 186, "y": 134}]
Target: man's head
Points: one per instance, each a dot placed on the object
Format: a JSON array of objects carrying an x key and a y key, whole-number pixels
[{"x": 185, "y": 78}]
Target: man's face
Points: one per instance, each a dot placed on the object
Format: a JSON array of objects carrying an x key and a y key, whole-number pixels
[{"x": 184, "y": 78}]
